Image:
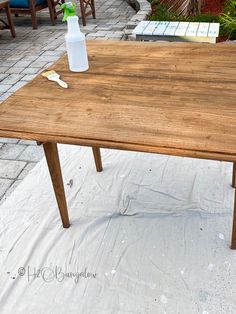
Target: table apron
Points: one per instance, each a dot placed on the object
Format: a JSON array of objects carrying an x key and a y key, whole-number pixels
[{"x": 121, "y": 146}]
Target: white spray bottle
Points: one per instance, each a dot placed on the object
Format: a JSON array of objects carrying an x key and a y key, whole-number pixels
[{"x": 75, "y": 41}]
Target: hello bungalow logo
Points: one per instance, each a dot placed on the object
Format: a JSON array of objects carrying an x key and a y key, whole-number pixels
[{"x": 49, "y": 274}]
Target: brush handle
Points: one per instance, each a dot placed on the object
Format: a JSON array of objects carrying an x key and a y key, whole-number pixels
[{"x": 62, "y": 83}]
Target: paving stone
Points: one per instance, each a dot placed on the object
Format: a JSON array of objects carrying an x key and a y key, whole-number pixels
[
  {"x": 24, "y": 46},
  {"x": 38, "y": 64},
  {"x": 88, "y": 28},
  {"x": 119, "y": 33},
  {"x": 16, "y": 86},
  {"x": 22, "y": 63},
  {"x": 106, "y": 28},
  {"x": 26, "y": 170},
  {"x": 114, "y": 37},
  {"x": 47, "y": 58},
  {"x": 96, "y": 35},
  {"x": 9, "y": 63},
  {"x": 112, "y": 22},
  {"x": 101, "y": 38},
  {"x": 5, "y": 185},
  {"x": 29, "y": 77},
  {"x": 31, "y": 57},
  {"x": 91, "y": 38},
  {"x": 11, "y": 151},
  {"x": 8, "y": 140},
  {"x": 13, "y": 45},
  {"x": 10, "y": 169},
  {"x": 48, "y": 65},
  {"x": 4, "y": 52},
  {"x": 31, "y": 71},
  {"x": 16, "y": 57},
  {"x": 12, "y": 79},
  {"x": 52, "y": 53},
  {"x": 5, "y": 96},
  {"x": 61, "y": 48},
  {"x": 3, "y": 69},
  {"x": 14, "y": 70},
  {"x": 4, "y": 88},
  {"x": 10, "y": 189},
  {"x": 102, "y": 33},
  {"x": 27, "y": 142},
  {"x": 31, "y": 153},
  {"x": 119, "y": 27},
  {"x": 3, "y": 76}
]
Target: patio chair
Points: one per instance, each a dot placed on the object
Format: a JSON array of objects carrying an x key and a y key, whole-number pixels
[
  {"x": 87, "y": 7},
  {"x": 4, "y": 5},
  {"x": 32, "y": 6}
]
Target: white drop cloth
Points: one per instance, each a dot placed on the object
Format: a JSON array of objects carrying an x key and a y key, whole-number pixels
[{"x": 153, "y": 230}]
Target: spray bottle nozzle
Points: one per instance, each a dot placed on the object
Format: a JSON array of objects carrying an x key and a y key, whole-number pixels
[{"x": 69, "y": 10}]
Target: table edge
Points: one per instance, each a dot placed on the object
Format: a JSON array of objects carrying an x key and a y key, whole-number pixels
[{"x": 165, "y": 150}]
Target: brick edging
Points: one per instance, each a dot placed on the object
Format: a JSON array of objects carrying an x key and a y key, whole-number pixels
[{"x": 143, "y": 9}]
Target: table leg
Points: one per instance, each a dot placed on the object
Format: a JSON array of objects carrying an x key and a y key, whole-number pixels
[
  {"x": 51, "y": 153},
  {"x": 233, "y": 243},
  {"x": 234, "y": 175},
  {"x": 97, "y": 158}
]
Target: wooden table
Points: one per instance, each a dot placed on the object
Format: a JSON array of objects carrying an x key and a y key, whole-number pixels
[{"x": 175, "y": 99}]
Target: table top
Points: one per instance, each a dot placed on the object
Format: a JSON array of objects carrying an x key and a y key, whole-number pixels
[{"x": 166, "y": 98}]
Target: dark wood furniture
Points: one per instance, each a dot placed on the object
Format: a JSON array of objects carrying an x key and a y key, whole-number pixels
[
  {"x": 175, "y": 99},
  {"x": 34, "y": 8},
  {"x": 4, "y": 5},
  {"x": 87, "y": 8}
]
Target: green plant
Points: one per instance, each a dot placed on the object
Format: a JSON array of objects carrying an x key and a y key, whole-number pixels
[
  {"x": 228, "y": 19},
  {"x": 161, "y": 13},
  {"x": 185, "y": 7}
]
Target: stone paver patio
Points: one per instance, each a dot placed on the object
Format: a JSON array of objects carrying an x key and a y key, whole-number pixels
[{"x": 22, "y": 58}]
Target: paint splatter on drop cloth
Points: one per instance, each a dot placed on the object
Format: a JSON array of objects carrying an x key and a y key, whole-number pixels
[
  {"x": 163, "y": 299},
  {"x": 153, "y": 285},
  {"x": 70, "y": 183},
  {"x": 210, "y": 267},
  {"x": 221, "y": 236}
]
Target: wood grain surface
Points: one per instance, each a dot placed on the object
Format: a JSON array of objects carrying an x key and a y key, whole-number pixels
[{"x": 175, "y": 99}]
